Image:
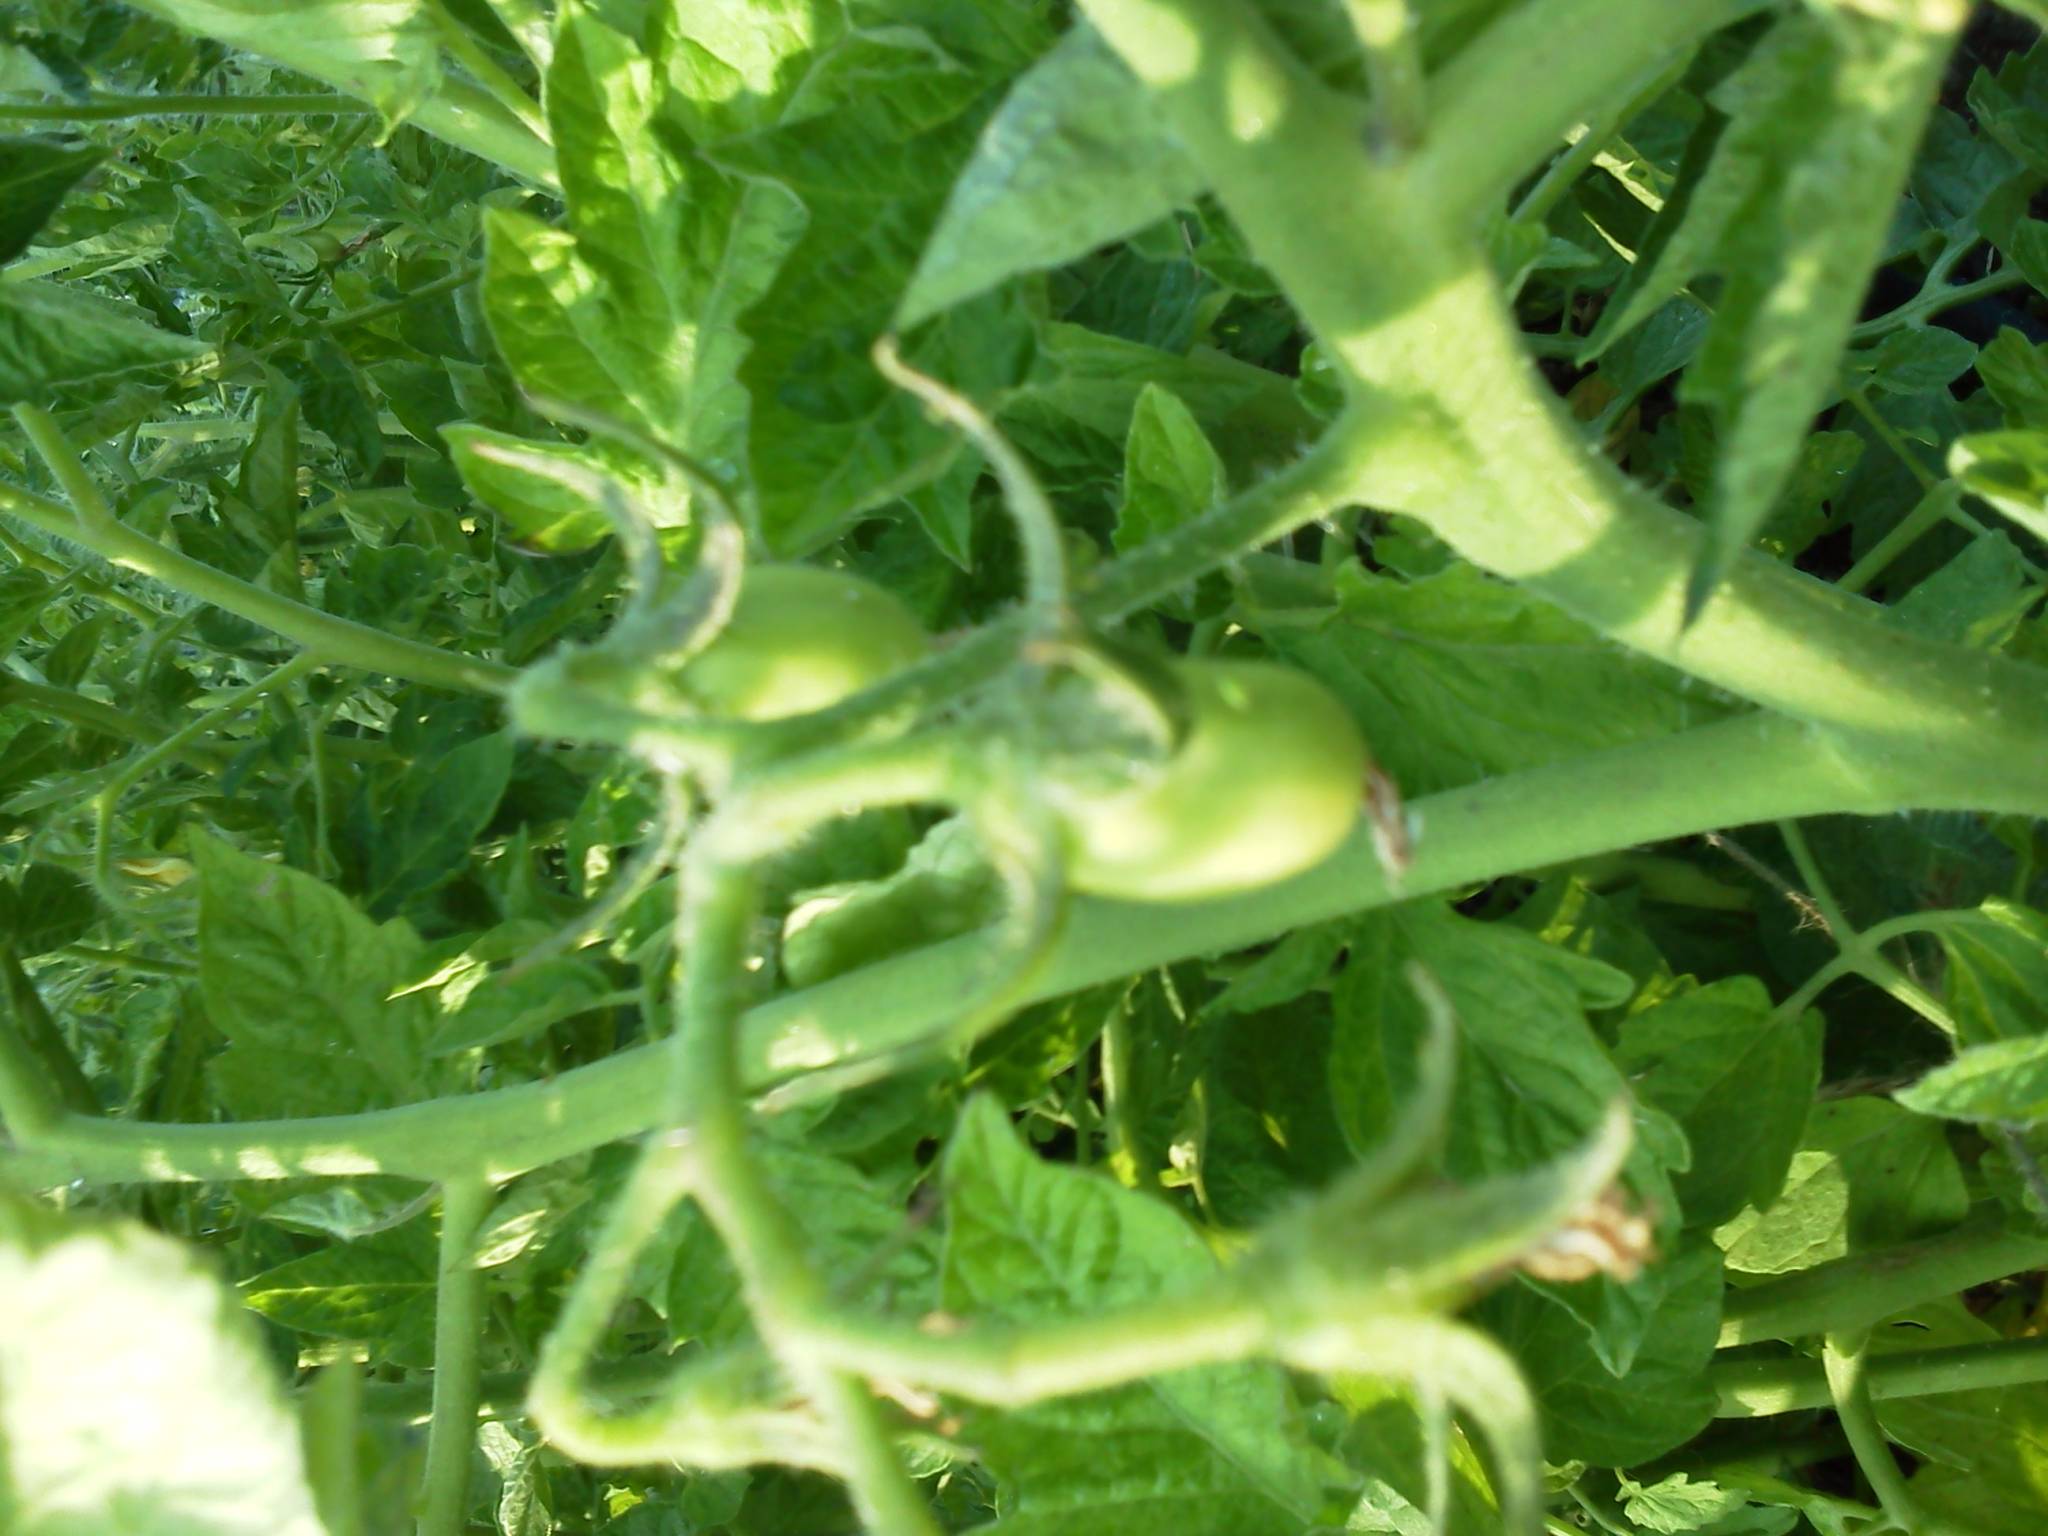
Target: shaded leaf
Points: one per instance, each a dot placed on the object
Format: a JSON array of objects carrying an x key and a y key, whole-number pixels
[
  {"x": 1458, "y": 677},
  {"x": 1075, "y": 158},
  {"x": 440, "y": 807},
  {"x": 1591, "y": 1414},
  {"x": 52, "y": 336},
  {"x": 45, "y": 908},
  {"x": 1868, "y": 1174},
  {"x": 35, "y": 177},
  {"x": 1717, "y": 1059},
  {"x": 1213, "y": 1449},
  {"x": 289, "y": 969}
]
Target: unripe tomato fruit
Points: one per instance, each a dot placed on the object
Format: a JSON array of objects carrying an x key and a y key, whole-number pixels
[
  {"x": 801, "y": 638},
  {"x": 1266, "y": 783}
]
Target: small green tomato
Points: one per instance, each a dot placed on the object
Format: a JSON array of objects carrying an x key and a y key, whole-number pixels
[
  {"x": 801, "y": 638},
  {"x": 1266, "y": 783}
]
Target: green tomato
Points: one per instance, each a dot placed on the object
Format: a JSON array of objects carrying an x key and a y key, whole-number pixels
[
  {"x": 801, "y": 638},
  {"x": 1267, "y": 781}
]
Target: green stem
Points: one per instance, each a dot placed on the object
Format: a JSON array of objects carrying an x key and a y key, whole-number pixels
[
  {"x": 1490, "y": 462},
  {"x": 1932, "y": 509},
  {"x": 714, "y": 933},
  {"x": 337, "y": 640},
  {"x": 64, "y": 463},
  {"x": 330, "y": 1417},
  {"x": 556, "y": 1399},
  {"x": 1323, "y": 480},
  {"x": 1866, "y": 1288},
  {"x": 1508, "y": 98},
  {"x": 1126, "y": 1146},
  {"x": 369, "y": 314},
  {"x": 1845, "y": 1357},
  {"x": 458, "y": 1337},
  {"x": 1856, "y": 958},
  {"x": 1934, "y": 299},
  {"x": 118, "y": 960},
  {"x": 1040, "y": 539},
  {"x": 108, "y": 800},
  {"x": 1750, "y": 1389},
  {"x": 1886, "y": 433},
  {"x": 88, "y": 585},
  {"x": 1754, "y": 768},
  {"x": 488, "y": 73},
  {"x": 1560, "y": 176},
  {"x": 108, "y": 107},
  {"x": 1817, "y": 886},
  {"x": 1393, "y": 62}
]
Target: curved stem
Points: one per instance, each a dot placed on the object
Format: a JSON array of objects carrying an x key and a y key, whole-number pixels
[
  {"x": 1473, "y": 441},
  {"x": 1845, "y": 1358},
  {"x": 1753, "y": 768},
  {"x": 458, "y": 1335},
  {"x": 714, "y": 931},
  {"x": 1038, "y": 527},
  {"x": 64, "y": 464},
  {"x": 341, "y": 641}
]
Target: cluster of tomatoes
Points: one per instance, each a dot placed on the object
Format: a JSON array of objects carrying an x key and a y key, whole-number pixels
[{"x": 1262, "y": 781}]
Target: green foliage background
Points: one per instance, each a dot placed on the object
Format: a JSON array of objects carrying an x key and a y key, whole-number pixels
[{"x": 1637, "y": 416}]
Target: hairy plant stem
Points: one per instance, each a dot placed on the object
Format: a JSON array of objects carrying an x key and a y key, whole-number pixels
[
  {"x": 458, "y": 1337},
  {"x": 1864, "y": 1289},
  {"x": 1845, "y": 1357},
  {"x": 337, "y": 640},
  {"x": 1752, "y": 768},
  {"x": 1749, "y": 1389},
  {"x": 1484, "y": 453}
]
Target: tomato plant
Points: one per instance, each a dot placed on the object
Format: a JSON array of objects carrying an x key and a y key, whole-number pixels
[
  {"x": 685, "y": 836},
  {"x": 1264, "y": 782},
  {"x": 800, "y": 639}
]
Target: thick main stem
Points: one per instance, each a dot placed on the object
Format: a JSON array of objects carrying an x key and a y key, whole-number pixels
[
  {"x": 1865, "y": 1288},
  {"x": 1755, "y": 768},
  {"x": 458, "y": 1336},
  {"x": 767, "y": 1248},
  {"x": 1483, "y": 452},
  {"x": 1752, "y": 1389}
]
